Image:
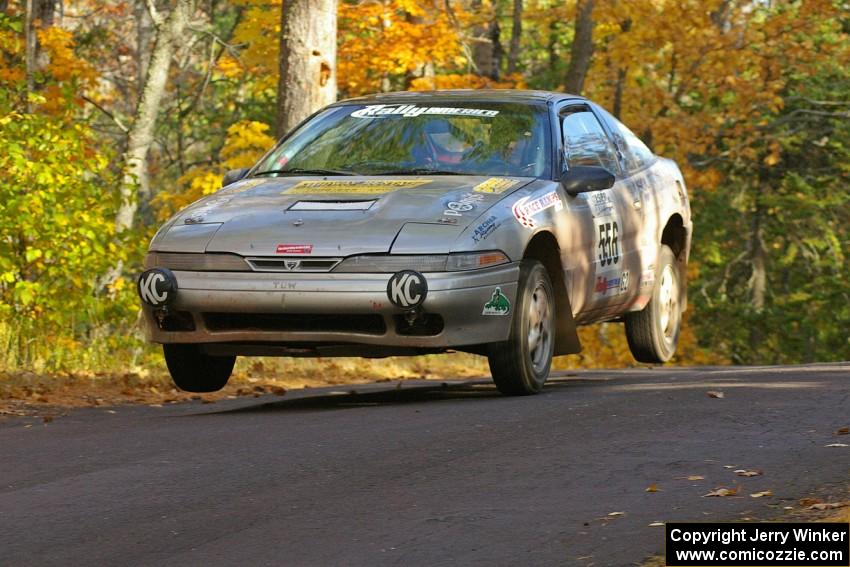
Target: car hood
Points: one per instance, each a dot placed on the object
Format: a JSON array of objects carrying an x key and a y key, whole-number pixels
[{"x": 331, "y": 216}]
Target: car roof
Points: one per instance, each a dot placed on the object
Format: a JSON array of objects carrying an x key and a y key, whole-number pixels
[{"x": 464, "y": 95}]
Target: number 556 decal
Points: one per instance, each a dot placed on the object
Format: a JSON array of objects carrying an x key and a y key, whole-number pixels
[{"x": 608, "y": 241}]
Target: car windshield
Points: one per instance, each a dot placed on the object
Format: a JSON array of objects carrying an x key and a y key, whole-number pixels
[{"x": 424, "y": 138}]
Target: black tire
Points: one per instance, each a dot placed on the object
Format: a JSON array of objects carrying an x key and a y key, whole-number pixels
[
  {"x": 518, "y": 366},
  {"x": 652, "y": 335},
  {"x": 194, "y": 371}
]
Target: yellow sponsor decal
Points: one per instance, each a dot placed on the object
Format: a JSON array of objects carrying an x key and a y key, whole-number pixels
[
  {"x": 353, "y": 186},
  {"x": 495, "y": 185},
  {"x": 241, "y": 186}
]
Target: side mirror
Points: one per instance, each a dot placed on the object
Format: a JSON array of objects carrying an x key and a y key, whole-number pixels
[
  {"x": 233, "y": 176},
  {"x": 584, "y": 178}
]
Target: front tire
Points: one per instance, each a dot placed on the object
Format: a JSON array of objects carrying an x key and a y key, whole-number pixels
[
  {"x": 194, "y": 371},
  {"x": 521, "y": 365},
  {"x": 653, "y": 332}
]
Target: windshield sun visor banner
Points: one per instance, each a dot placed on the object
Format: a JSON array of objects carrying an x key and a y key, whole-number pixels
[{"x": 412, "y": 111}]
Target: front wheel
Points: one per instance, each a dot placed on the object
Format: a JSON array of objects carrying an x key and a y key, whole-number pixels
[
  {"x": 521, "y": 365},
  {"x": 653, "y": 332},
  {"x": 194, "y": 371}
]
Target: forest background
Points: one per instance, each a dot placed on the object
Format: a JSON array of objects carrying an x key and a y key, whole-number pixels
[{"x": 116, "y": 113}]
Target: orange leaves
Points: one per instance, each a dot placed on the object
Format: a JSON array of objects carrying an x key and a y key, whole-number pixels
[{"x": 384, "y": 42}]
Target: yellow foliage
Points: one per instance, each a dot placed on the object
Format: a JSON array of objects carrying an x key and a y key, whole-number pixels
[{"x": 246, "y": 142}]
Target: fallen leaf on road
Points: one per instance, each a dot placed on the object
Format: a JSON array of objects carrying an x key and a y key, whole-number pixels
[
  {"x": 810, "y": 501},
  {"x": 728, "y": 466},
  {"x": 278, "y": 390},
  {"x": 696, "y": 477},
  {"x": 744, "y": 472},
  {"x": 843, "y": 431},
  {"x": 652, "y": 488},
  {"x": 47, "y": 418},
  {"x": 760, "y": 494},
  {"x": 656, "y": 524},
  {"x": 616, "y": 513},
  {"x": 837, "y": 445},
  {"x": 714, "y": 394},
  {"x": 829, "y": 505},
  {"x": 722, "y": 492}
]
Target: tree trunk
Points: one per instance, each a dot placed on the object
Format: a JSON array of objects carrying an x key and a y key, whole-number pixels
[
  {"x": 582, "y": 48},
  {"x": 29, "y": 39},
  {"x": 487, "y": 50},
  {"x": 758, "y": 259},
  {"x": 307, "y": 60},
  {"x": 169, "y": 32},
  {"x": 143, "y": 37},
  {"x": 516, "y": 35}
]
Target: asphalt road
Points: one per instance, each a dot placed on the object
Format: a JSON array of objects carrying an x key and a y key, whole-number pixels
[{"x": 424, "y": 474}]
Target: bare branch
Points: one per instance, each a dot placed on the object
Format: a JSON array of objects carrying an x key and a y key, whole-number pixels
[{"x": 112, "y": 117}]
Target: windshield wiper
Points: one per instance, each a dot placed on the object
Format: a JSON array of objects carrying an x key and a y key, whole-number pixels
[
  {"x": 422, "y": 171},
  {"x": 304, "y": 171}
]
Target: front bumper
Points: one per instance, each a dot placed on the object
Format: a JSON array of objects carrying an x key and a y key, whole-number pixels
[{"x": 246, "y": 313}]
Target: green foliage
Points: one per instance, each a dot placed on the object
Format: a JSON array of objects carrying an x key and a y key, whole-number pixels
[{"x": 793, "y": 201}]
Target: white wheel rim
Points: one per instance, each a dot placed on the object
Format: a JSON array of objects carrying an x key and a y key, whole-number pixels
[
  {"x": 539, "y": 328},
  {"x": 668, "y": 302}
]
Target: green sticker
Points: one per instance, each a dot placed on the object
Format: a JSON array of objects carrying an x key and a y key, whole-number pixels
[{"x": 498, "y": 304}]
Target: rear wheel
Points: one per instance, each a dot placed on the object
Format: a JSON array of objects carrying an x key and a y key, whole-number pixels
[
  {"x": 654, "y": 331},
  {"x": 521, "y": 365},
  {"x": 194, "y": 371}
]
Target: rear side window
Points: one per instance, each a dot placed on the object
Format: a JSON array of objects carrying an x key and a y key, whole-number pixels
[
  {"x": 635, "y": 153},
  {"x": 585, "y": 142}
]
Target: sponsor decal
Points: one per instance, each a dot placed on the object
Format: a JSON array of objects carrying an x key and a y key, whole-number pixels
[
  {"x": 445, "y": 220},
  {"x": 495, "y": 185},
  {"x": 498, "y": 304},
  {"x": 527, "y": 208},
  {"x": 243, "y": 185},
  {"x": 412, "y": 111},
  {"x": 294, "y": 249},
  {"x": 157, "y": 286},
  {"x": 600, "y": 203},
  {"x": 485, "y": 229},
  {"x": 612, "y": 286},
  {"x": 354, "y": 186},
  {"x": 407, "y": 289},
  {"x": 647, "y": 278},
  {"x": 466, "y": 203},
  {"x": 196, "y": 215}
]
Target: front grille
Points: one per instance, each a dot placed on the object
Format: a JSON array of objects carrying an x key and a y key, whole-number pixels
[
  {"x": 296, "y": 323},
  {"x": 268, "y": 264}
]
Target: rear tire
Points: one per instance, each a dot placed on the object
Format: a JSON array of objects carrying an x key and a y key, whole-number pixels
[
  {"x": 521, "y": 365},
  {"x": 194, "y": 371},
  {"x": 653, "y": 332}
]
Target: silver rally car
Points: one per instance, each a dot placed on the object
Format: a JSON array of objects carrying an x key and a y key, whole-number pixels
[{"x": 492, "y": 222}]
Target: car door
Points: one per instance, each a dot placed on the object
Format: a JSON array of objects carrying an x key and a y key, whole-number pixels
[
  {"x": 606, "y": 218},
  {"x": 641, "y": 176}
]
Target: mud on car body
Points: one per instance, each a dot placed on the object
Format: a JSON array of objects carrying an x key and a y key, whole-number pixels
[{"x": 492, "y": 222}]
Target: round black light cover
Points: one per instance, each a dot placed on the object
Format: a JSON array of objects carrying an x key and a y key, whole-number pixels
[
  {"x": 407, "y": 289},
  {"x": 157, "y": 286}
]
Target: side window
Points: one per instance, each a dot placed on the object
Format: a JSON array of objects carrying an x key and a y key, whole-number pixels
[
  {"x": 585, "y": 141},
  {"x": 635, "y": 153}
]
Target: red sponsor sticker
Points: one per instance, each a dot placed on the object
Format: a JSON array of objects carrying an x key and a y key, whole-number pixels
[{"x": 294, "y": 248}]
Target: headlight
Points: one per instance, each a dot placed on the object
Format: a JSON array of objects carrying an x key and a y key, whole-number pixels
[{"x": 422, "y": 263}]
